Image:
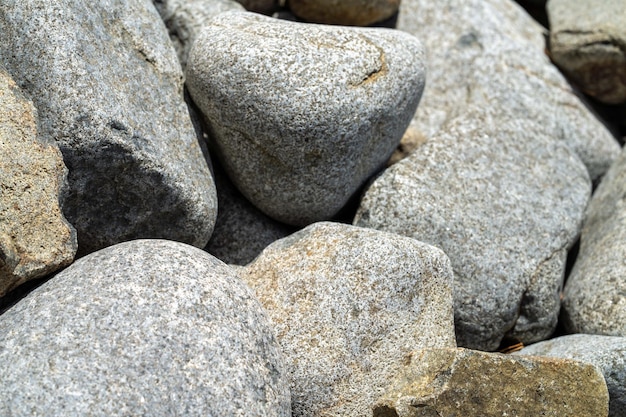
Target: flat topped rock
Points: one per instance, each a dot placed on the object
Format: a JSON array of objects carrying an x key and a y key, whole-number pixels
[{"x": 302, "y": 115}]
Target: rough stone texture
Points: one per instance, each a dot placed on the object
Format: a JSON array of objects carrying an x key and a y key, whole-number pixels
[
  {"x": 186, "y": 18},
  {"x": 349, "y": 305},
  {"x": 344, "y": 12},
  {"x": 241, "y": 231},
  {"x": 260, "y": 6},
  {"x": 595, "y": 294},
  {"x": 35, "y": 238},
  {"x": 505, "y": 205},
  {"x": 588, "y": 41},
  {"x": 607, "y": 353},
  {"x": 460, "y": 382},
  {"x": 489, "y": 55},
  {"x": 147, "y": 327},
  {"x": 108, "y": 87},
  {"x": 303, "y": 114}
]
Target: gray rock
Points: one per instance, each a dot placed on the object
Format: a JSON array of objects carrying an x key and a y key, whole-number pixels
[
  {"x": 349, "y": 305},
  {"x": 607, "y": 353},
  {"x": 186, "y": 18},
  {"x": 588, "y": 41},
  {"x": 302, "y": 115},
  {"x": 345, "y": 12},
  {"x": 461, "y": 382},
  {"x": 35, "y": 238},
  {"x": 147, "y": 327},
  {"x": 595, "y": 294},
  {"x": 505, "y": 204},
  {"x": 108, "y": 87},
  {"x": 489, "y": 54}
]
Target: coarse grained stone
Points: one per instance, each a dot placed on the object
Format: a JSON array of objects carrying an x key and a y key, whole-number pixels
[
  {"x": 588, "y": 42},
  {"x": 35, "y": 238},
  {"x": 489, "y": 54},
  {"x": 147, "y": 327},
  {"x": 505, "y": 204},
  {"x": 344, "y": 12},
  {"x": 186, "y": 18},
  {"x": 108, "y": 87},
  {"x": 607, "y": 353},
  {"x": 348, "y": 306},
  {"x": 302, "y": 115},
  {"x": 595, "y": 293},
  {"x": 461, "y": 382}
]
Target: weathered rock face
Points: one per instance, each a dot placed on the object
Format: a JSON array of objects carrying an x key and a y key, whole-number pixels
[
  {"x": 35, "y": 238},
  {"x": 607, "y": 353},
  {"x": 344, "y": 12},
  {"x": 595, "y": 294},
  {"x": 489, "y": 55},
  {"x": 348, "y": 306},
  {"x": 146, "y": 327},
  {"x": 460, "y": 382},
  {"x": 504, "y": 205},
  {"x": 108, "y": 88},
  {"x": 302, "y": 115},
  {"x": 588, "y": 41}
]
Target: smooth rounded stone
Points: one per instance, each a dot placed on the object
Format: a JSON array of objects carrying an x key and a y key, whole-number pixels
[
  {"x": 186, "y": 18},
  {"x": 261, "y": 6},
  {"x": 349, "y": 305},
  {"x": 588, "y": 41},
  {"x": 344, "y": 12},
  {"x": 302, "y": 115},
  {"x": 35, "y": 238},
  {"x": 148, "y": 327},
  {"x": 595, "y": 294},
  {"x": 607, "y": 353},
  {"x": 461, "y": 382},
  {"x": 489, "y": 54},
  {"x": 108, "y": 87},
  {"x": 505, "y": 204}
]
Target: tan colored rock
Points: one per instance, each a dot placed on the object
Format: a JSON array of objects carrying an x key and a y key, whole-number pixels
[
  {"x": 410, "y": 141},
  {"x": 344, "y": 12},
  {"x": 462, "y": 382},
  {"x": 35, "y": 238}
]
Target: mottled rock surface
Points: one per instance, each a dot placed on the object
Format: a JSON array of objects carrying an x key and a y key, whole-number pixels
[
  {"x": 460, "y": 382},
  {"x": 108, "y": 87},
  {"x": 349, "y": 305},
  {"x": 147, "y": 327},
  {"x": 504, "y": 204},
  {"x": 302, "y": 115},
  {"x": 607, "y": 353},
  {"x": 35, "y": 238},
  {"x": 344, "y": 12}
]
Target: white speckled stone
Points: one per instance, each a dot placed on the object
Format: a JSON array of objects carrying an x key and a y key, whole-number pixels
[
  {"x": 302, "y": 115},
  {"x": 349, "y": 305},
  {"x": 147, "y": 327}
]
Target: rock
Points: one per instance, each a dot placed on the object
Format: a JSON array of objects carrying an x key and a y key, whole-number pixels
[
  {"x": 410, "y": 141},
  {"x": 260, "y": 6},
  {"x": 505, "y": 204},
  {"x": 35, "y": 238},
  {"x": 147, "y": 327},
  {"x": 302, "y": 115},
  {"x": 595, "y": 294},
  {"x": 348, "y": 306},
  {"x": 607, "y": 353},
  {"x": 489, "y": 54},
  {"x": 186, "y": 18},
  {"x": 460, "y": 382},
  {"x": 108, "y": 87},
  {"x": 588, "y": 41},
  {"x": 345, "y": 12}
]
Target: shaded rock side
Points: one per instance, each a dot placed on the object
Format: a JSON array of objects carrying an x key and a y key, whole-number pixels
[
  {"x": 147, "y": 327},
  {"x": 348, "y": 306},
  {"x": 302, "y": 115},
  {"x": 490, "y": 55},
  {"x": 344, "y": 12},
  {"x": 261, "y": 6},
  {"x": 461, "y": 382},
  {"x": 505, "y": 204},
  {"x": 108, "y": 87},
  {"x": 35, "y": 238}
]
